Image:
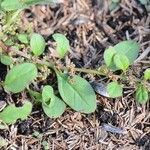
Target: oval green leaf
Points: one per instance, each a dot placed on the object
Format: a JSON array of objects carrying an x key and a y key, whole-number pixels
[
  {"x": 19, "y": 77},
  {"x": 10, "y": 5},
  {"x": 121, "y": 62},
  {"x": 108, "y": 56},
  {"x": 6, "y": 60},
  {"x": 114, "y": 90},
  {"x": 23, "y": 38},
  {"x": 62, "y": 44},
  {"x": 52, "y": 105},
  {"x": 47, "y": 94},
  {"x": 128, "y": 48},
  {"x": 37, "y": 44},
  {"x": 77, "y": 93},
  {"x": 147, "y": 74},
  {"x": 142, "y": 94},
  {"x": 11, "y": 113}
]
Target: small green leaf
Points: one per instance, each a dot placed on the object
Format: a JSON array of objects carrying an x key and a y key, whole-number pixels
[
  {"x": 9, "y": 5},
  {"x": 121, "y": 62},
  {"x": 113, "y": 5},
  {"x": 47, "y": 93},
  {"x": 142, "y": 94},
  {"x": 23, "y": 38},
  {"x": 52, "y": 105},
  {"x": 37, "y": 44},
  {"x": 19, "y": 77},
  {"x": 114, "y": 89},
  {"x": 128, "y": 48},
  {"x": 147, "y": 74},
  {"x": 77, "y": 93},
  {"x": 6, "y": 60},
  {"x": 36, "y": 96},
  {"x": 108, "y": 56},
  {"x": 11, "y": 113},
  {"x": 62, "y": 44}
]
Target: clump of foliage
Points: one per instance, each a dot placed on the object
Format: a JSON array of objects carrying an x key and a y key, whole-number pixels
[
  {"x": 75, "y": 91},
  {"x": 120, "y": 57}
]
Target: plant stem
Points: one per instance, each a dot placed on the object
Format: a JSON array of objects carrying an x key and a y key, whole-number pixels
[
  {"x": 46, "y": 63},
  {"x": 50, "y": 64},
  {"x": 90, "y": 71}
]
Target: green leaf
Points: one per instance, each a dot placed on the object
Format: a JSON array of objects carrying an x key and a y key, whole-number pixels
[
  {"x": 113, "y": 5},
  {"x": 62, "y": 44},
  {"x": 19, "y": 77},
  {"x": 12, "y": 4},
  {"x": 77, "y": 93},
  {"x": 9, "y": 5},
  {"x": 23, "y": 38},
  {"x": 47, "y": 93},
  {"x": 37, "y": 44},
  {"x": 114, "y": 89},
  {"x": 6, "y": 60},
  {"x": 142, "y": 94},
  {"x": 121, "y": 62},
  {"x": 52, "y": 105},
  {"x": 128, "y": 48},
  {"x": 36, "y": 96},
  {"x": 11, "y": 113},
  {"x": 108, "y": 56},
  {"x": 147, "y": 74}
]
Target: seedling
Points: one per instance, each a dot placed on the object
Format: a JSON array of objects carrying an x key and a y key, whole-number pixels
[{"x": 120, "y": 57}]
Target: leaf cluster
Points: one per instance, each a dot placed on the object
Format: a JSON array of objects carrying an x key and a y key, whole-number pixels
[
  {"x": 120, "y": 57},
  {"x": 75, "y": 91}
]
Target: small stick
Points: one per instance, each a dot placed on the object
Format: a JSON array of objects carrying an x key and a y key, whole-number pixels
[
  {"x": 142, "y": 56},
  {"x": 4, "y": 47}
]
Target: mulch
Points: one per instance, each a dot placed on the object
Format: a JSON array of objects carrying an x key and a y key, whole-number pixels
[{"x": 90, "y": 28}]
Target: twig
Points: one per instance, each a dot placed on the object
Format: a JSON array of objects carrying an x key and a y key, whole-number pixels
[{"x": 142, "y": 56}]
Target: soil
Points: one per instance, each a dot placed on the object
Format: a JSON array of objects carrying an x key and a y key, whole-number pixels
[{"x": 90, "y": 28}]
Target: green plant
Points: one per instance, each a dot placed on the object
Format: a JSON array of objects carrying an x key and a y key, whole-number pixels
[
  {"x": 120, "y": 57},
  {"x": 74, "y": 91}
]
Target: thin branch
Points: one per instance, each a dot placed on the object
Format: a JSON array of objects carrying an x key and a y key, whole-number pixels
[{"x": 142, "y": 56}]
